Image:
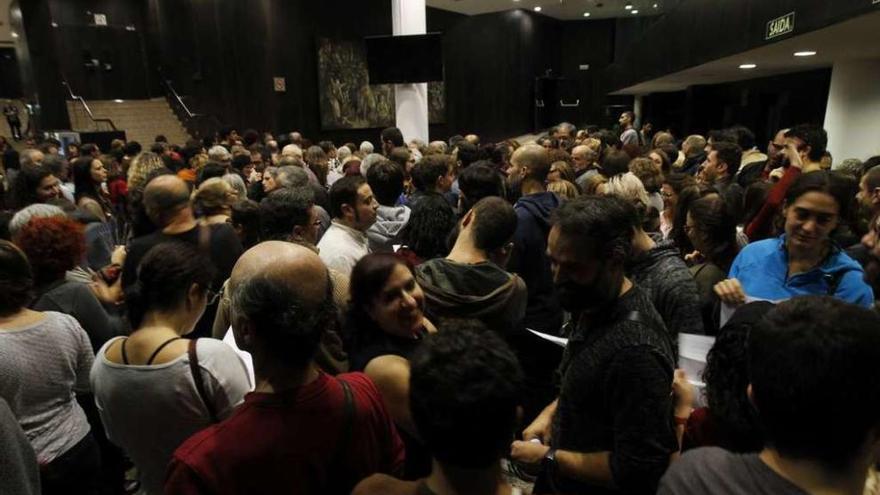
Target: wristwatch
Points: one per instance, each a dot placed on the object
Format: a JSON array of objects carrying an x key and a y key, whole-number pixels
[{"x": 549, "y": 462}]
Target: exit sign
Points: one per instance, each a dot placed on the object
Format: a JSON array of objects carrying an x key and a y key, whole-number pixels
[{"x": 780, "y": 26}]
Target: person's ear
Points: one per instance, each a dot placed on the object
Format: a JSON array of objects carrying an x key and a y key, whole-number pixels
[
  {"x": 751, "y": 395},
  {"x": 297, "y": 233},
  {"x": 193, "y": 295},
  {"x": 347, "y": 210},
  {"x": 875, "y": 195}
]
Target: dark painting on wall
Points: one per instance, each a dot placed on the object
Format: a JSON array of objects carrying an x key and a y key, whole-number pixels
[{"x": 348, "y": 101}]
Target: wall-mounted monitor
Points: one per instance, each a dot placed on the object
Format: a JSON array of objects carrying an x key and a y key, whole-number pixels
[{"x": 405, "y": 59}]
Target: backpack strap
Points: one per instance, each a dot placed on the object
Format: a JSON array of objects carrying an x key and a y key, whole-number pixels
[{"x": 199, "y": 380}]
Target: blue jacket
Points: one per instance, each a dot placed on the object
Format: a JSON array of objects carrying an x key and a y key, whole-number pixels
[
  {"x": 762, "y": 270},
  {"x": 529, "y": 260}
]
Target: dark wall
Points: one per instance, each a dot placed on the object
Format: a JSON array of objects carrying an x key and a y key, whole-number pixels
[
  {"x": 224, "y": 54},
  {"x": 696, "y": 31},
  {"x": 763, "y": 105},
  {"x": 39, "y": 63},
  {"x": 118, "y": 47},
  {"x": 492, "y": 61},
  {"x": 10, "y": 78}
]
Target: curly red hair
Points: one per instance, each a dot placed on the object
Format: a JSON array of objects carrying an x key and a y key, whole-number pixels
[{"x": 53, "y": 245}]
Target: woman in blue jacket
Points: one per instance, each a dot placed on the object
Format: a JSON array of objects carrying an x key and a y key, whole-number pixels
[{"x": 804, "y": 260}]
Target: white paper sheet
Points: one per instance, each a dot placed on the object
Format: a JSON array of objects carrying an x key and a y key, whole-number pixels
[
  {"x": 692, "y": 352},
  {"x": 560, "y": 341},
  {"x": 245, "y": 356}
]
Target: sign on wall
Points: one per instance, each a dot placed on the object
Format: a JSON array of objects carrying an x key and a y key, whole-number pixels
[
  {"x": 280, "y": 84},
  {"x": 100, "y": 19},
  {"x": 780, "y": 26}
]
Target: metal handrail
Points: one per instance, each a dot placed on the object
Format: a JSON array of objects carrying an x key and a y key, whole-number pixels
[
  {"x": 180, "y": 102},
  {"x": 85, "y": 105},
  {"x": 197, "y": 123}
]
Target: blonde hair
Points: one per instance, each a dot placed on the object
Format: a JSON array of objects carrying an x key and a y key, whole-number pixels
[
  {"x": 564, "y": 169},
  {"x": 564, "y": 189},
  {"x": 141, "y": 167},
  {"x": 592, "y": 183},
  {"x": 594, "y": 144},
  {"x": 198, "y": 162},
  {"x": 213, "y": 196},
  {"x": 630, "y": 188}
]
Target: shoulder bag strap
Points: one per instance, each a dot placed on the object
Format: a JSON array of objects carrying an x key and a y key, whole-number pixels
[{"x": 199, "y": 380}]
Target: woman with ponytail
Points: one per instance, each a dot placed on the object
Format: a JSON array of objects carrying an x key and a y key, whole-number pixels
[{"x": 155, "y": 388}]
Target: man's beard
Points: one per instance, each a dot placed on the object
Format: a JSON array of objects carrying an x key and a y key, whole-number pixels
[
  {"x": 514, "y": 189},
  {"x": 590, "y": 298}
]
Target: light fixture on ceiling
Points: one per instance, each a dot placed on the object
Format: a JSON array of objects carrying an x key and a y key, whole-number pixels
[
  {"x": 633, "y": 11},
  {"x": 805, "y": 53},
  {"x": 628, "y": 6},
  {"x": 586, "y": 14},
  {"x": 537, "y": 9},
  {"x": 747, "y": 66},
  {"x": 655, "y": 5},
  {"x": 118, "y": 101},
  {"x": 14, "y": 34}
]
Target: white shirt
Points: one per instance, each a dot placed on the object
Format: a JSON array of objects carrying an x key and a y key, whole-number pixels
[
  {"x": 342, "y": 247},
  {"x": 149, "y": 410}
]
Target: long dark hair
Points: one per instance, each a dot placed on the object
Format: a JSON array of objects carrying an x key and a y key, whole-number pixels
[
  {"x": 24, "y": 189},
  {"x": 714, "y": 222},
  {"x": 685, "y": 187},
  {"x": 368, "y": 277},
  {"x": 16, "y": 279},
  {"x": 164, "y": 277},
  {"x": 83, "y": 183}
]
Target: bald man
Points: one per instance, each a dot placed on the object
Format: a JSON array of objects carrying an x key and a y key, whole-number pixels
[
  {"x": 529, "y": 166},
  {"x": 300, "y": 430},
  {"x": 166, "y": 200}
]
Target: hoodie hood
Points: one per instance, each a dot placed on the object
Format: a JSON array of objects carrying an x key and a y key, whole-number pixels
[
  {"x": 540, "y": 205},
  {"x": 482, "y": 290},
  {"x": 390, "y": 221}
]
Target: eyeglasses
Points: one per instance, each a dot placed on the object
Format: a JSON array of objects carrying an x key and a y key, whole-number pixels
[{"x": 213, "y": 296}]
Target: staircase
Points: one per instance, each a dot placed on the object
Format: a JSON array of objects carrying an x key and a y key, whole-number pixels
[{"x": 142, "y": 120}]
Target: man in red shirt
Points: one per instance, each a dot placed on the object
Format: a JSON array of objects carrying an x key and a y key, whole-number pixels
[{"x": 300, "y": 430}]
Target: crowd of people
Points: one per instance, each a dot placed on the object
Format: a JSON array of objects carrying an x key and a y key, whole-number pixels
[{"x": 246, "y": 314}]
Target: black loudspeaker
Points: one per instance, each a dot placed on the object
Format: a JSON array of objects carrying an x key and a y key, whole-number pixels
[{"x": 557, "y": 99}]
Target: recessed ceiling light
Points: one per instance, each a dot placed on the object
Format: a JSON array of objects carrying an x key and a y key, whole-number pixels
[
  {"x": 515, "y": 1},
  {"x": 118, "y": 101},
  {"x": 805, "y": 53},
  {"x": 655, "y": 5},
  {"x": 628, "y": 6},
  {"x": 633, "y": 11},
  {"x": 747, "y": 66},
  {"x": 15, "y": 35},
  {"x": 586, "y": 14},
  {"x": 538, "y": 8}
]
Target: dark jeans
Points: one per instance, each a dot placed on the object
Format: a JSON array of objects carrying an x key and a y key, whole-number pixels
[
  {"x": 15, "y": 127},
  {"x": 76, "y": 471}
]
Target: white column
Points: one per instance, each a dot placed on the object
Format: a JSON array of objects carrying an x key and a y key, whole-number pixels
[
  {"x": 637, "y": 111},
  {"x": 408, "y": 17},
  {"x": 851, "y": 117}
]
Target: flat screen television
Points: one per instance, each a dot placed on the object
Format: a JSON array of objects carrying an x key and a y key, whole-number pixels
[{"x": 405, "y": 59}]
